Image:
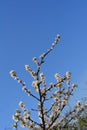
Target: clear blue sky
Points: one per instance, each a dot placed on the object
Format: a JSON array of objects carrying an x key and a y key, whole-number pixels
[{"x": 27, "y": 29}]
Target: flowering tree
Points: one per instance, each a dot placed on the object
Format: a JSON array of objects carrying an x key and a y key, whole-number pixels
[{"x": 55, "y": 94}]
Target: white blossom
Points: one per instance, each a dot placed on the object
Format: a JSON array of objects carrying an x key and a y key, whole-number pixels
[
  {"x": 42, "y": 56},
  {"x": 33, "y": 73},
  {"x": 74, "y": 85},
  {"x": 35, "y": 84},
  {"x": 22, "y": 124},
  {"x": 27, "y": 67},
  {"x": 14, "y": 125},
  {"x": 42, "y": 76},
  {"x": 53, "y": 44},
  {"x": 15, "y": 118},
  {"x": 21, "y": 104},
  {"x": 58, "y": 77},
  {"x": 78, "y": 104},
  {"x": 51, "y": 99},
  {"x": 35, "y": 59},
  {"x": 68, "y": 75},
  {"x": 26, "y": 114},
  {"x": 18, "y": 112},
  {"x": 64, "y": 102},
  {"x": 58, "y": 36},
  {"x": 12, "y": 73},
  {"x": 66, "y": 97}
]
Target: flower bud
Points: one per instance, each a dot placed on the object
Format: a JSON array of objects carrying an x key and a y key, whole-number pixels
[
  {"x": 64, "y": 102},
  {"x": 42, "y": 76},
  {"x": 18, "y": 112},
  {"x": 21, "y": 104},
  {"x": 26, "y": 114},
  {"x": 12, "y": 73},
  {"x": 58, "y": 36},
  {"x": 68, "y": 75},
  {"x": 34, "y": 59},
  {"x": 57, "y": 76},
  {"x": 78, "y": 104},
  {"x": 74, "y": 85},
  {"x": 27, "y": 67},
  {"x": 15, "y": 118}
]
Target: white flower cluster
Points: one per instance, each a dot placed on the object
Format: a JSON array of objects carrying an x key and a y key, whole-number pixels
[
  {"x": 33, "y": 73},
  {"x": 52, "y": 47},
  {"x": 75, "y": 114},
  {"x": 36, "y": 84},
  {"x": 51, "y": 99},
  {"x": 58, "y": 77},
  {"x": 25, "y": 119}
]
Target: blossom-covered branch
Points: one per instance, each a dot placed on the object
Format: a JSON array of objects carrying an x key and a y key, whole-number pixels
[{"x": 57, "y": 95}]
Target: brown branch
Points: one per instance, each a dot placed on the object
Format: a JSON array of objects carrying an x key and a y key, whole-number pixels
[
  {"x": 41, "y": 103},
  {"x": 35, "y": 122},
  {"x": 34, "y": 96}
]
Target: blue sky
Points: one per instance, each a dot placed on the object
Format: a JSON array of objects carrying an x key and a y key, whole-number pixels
[{"x": 27, "y": 29}]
